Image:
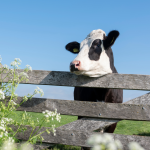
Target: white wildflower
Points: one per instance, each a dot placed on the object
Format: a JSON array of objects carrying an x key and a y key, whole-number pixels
[
  {"x": 2, "y": 128},
  {"x": 26, "y": 146},
  {"x": 5, "y": 67},
  {"x": 107, "y": 138},
  {"x": 25, "y": 98},
  {"x": 135, "y": 146},
  {"x": 15, "y": 94},
  {"x": 2, "y": 95},
  {"x": 29, "y": 95},
  {"x": 111, "y": 146},
  {"x": 13, "y": 102},
  {"x": 53, "y": 129},
  {"x": 39, "y": 91},
  {"x": 96, "y": 147},
  {"x": 0, "y": 58},
  {"x": 94, "y": 139},
  {"x": 51, "y": 114},
  {"x": 46, "y": 116},
  {"x": 118, "y": 144},
  {"x": 104, "y": 141},
  {"x": 24, "y": 74},
  {"x": 58, "y": 117},
  {"x": 14, "y": 64},
  {"x": 25, "y": 113},
  {"x": 10, "y": 139},
  {"x": 29, "y": 67},
  {"x": 18, "y": 60},
  {"x": 8, "y": 145},
  {"x": 6, "y": 133}
]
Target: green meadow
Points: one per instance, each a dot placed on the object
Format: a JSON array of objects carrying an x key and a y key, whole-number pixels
[{"x": 126, "y": 127}]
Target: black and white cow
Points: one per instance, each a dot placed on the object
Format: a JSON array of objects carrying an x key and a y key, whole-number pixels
[{"x": 94, "y": 59}]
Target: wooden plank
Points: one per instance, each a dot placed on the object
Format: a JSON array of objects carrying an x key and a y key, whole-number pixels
[
  {"x": 78, "y": 138},
  {"x": 122, "y": 81},
  {"x": 141, "y": 100},
  {"x": 89, "y": 109},
  {"x": 91, "y": 124},
  {"x": 88, "y": 124}
]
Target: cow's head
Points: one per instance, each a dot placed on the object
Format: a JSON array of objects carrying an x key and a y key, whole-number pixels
[{"x": 92, "y": 59}]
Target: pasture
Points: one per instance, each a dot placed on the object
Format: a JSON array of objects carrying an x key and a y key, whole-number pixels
[{"x": 125, "y": 127}]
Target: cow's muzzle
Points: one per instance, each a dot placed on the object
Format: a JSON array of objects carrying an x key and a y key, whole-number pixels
[{"x": 74, "y": 66}]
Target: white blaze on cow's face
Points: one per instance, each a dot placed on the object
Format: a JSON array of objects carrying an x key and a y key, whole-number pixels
[{"x": 92, "y": 59}]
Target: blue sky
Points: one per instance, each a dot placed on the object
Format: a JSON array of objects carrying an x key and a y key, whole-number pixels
[{"x": 37, "y": 31}]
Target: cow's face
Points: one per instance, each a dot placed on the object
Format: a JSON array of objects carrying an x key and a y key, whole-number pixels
[{"x": 92, "y": 59}]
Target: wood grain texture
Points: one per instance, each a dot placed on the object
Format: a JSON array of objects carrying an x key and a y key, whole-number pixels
[
  {"x": 89, "y": 109},
  {"x": 78, "y": 138},
  {"x": 91, "y": 124},
  {"x": 121, "y": 81},
  {"x": 88, "y": 124}
]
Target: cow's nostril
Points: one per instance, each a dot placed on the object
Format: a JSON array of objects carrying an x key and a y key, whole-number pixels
[
  {"x": 77, "y": 64},
  {"x": 73, "y": 68}
]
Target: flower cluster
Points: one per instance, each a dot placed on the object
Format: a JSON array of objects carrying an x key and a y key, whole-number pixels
[
  {"x": 0, "y": 58},
  {"x": 3, "y": 132},
  {"x": 16, "y": 63},
  {"x": 135, "y": 146},
  {"x": 106, "y": 142},
  {"x": 28, "y": 68},
  {"x": 9, "y": 104},
  {"x": 24, "y": 74},
  {"x": 39, "y": 91},
  {"x": 2, "y": 95},
  {"x": 12, "y": 102},
  {"x": 6, "y": 67},
  {"x": 52, "y": 115},
  {"x": 8, "y": 145}
]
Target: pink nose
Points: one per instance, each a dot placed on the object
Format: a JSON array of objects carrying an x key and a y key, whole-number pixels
[{"x": 75, "y": 65}]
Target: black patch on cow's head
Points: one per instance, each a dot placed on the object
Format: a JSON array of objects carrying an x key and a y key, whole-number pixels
[
  {"x": 110, "y": 39},
  {"x": 73, "y": 47},
  {"x": 95, "y": 50}
]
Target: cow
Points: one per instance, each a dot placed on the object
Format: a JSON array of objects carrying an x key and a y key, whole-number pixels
[{"x": 95, "y": 59}]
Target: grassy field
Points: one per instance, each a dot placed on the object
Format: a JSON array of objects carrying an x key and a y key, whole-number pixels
[{"x": 123, "y": 127}]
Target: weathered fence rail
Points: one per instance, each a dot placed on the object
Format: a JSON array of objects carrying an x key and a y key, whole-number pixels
[
  {"x": 96, "y": 115},
  {"x": 88, "y": 109},
  {"x": 114, "y": 80}
]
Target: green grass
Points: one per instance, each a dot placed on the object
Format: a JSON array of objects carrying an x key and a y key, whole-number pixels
[
  {"x": 125, "y": 127},
  {"x": 65, "y": 147},
  {"x": 64, "y": 118}
]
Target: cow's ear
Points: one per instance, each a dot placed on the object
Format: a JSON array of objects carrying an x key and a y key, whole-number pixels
[
  {"x": 110, "y": 39},
  {"x": 73, "y": 47}
]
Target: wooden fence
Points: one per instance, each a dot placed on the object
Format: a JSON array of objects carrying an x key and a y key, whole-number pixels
[{"x": 96, "y": 115}]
